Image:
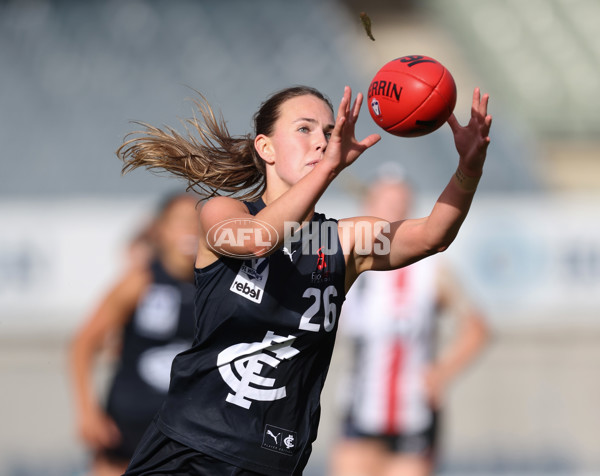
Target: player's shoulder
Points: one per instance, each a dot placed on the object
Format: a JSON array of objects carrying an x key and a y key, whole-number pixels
[
  {"x": 223, "y": 205},
  {"x": 218, "y": 209}
]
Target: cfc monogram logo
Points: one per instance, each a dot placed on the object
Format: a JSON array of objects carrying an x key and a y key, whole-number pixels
[{"x": 241, "y": 365}]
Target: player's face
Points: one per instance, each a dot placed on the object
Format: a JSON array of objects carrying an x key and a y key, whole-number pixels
[
  {"x": 300, "y": 136},
  {"x": 390, "y": 201},
  {"x": 177, "y": 229}
]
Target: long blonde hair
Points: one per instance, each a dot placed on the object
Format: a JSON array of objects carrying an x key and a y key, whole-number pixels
[{"x": 214, "y": 162}]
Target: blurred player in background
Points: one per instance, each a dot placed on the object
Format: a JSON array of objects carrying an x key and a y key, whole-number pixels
[
  {"x": 394, "y": 387},
  {"x": 152, "y": 309}
]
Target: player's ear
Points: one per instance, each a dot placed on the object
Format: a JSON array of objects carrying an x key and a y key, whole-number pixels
[{"x": 264, "y": 147}]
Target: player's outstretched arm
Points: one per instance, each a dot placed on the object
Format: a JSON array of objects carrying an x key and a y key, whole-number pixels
[{"x": 414, "y": 239}]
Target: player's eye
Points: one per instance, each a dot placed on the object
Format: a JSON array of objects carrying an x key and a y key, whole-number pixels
[
  {"x": 303, "y": 129},
  {"x": 328, "y": 136}
]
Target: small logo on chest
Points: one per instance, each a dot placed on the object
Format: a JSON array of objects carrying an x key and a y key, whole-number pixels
[
  {"x": 279, "y": 440},
  {"x": 251, "y": 279},
  {"x": 286, "y": 251}
]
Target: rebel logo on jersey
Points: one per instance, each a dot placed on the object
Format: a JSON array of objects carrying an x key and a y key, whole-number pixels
[{"x": 251, "y": 279}]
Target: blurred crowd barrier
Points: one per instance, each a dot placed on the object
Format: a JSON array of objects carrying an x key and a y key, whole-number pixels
[
  {"x": 58, "y": 255},
  {"x": 533, "y": 260},
  {"x": 529, "y": 260}
]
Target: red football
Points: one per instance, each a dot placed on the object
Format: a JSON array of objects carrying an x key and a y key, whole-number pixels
[{"x": 412, "y": 96}]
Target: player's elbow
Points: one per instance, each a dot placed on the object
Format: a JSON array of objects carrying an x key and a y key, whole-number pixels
[
  {"x": 439, "y": 245},
  {"x": 441, "y": 248},
  {"x": 440, "y": 242},
  {"x": 481, "y": 329}
]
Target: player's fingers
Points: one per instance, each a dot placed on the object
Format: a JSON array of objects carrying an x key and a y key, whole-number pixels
[
  {"x": 356, "y": 108},
  {"x": 341, "y": 115},
  {"x": 338, "y": 129},
  {"x": 347, "y": 99},
  {"x": 476, "y": 97},
  {"x": 370, "y": 141},
  {"x": 487, "y": 124},
  {"x": 349, "y": 102},
  {"x": 483, "y": 105},
  {"x": 108, "y": 434},
  {"x": 115, "y": 433},
  {"x": 343, "y": 104},
  {"x": 453, "y": 123},
  {"x": 475, "y": 105},
  {"x": 486, "y": 121}
]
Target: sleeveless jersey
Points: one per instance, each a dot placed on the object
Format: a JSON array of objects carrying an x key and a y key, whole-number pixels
[
  {"x": 390, "y": 316},
  {"x": 161, "y": 326},
  {"x": 248, "y": 390}
]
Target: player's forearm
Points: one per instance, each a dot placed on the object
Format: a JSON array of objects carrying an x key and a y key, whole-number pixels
[
  {"x": 414, "y": 239},
  {"x": 465, "y": 348},
  {"x": 298, "y": 203},
  {"x": 81, "y": 363},
  {"x": 449, "y": 213}
]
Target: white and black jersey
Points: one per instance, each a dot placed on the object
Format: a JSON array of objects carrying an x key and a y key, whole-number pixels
[
  {"x": 248, "y": 390},
  {"x": 391, "y": 316}
]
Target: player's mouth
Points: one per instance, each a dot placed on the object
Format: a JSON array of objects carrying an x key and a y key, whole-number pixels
[{"x": 313, "y": 163}]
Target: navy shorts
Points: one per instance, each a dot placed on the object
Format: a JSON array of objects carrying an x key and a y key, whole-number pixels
[
  {"x": 159, "y": 455},
  {"x": 420, "y": 443}
]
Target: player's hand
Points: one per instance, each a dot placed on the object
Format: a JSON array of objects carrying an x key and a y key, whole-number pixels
[
  {"x": 98, "y": 430},
  {"x": 343, "y": 148},
  {"x": 435, "y": 382},
  {"x": 473, "y": 139}
]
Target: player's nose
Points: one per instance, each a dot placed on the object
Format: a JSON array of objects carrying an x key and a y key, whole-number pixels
[{"x": 321, "y": 141}]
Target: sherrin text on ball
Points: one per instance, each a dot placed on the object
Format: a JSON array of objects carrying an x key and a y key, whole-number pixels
[{"x": 411, "y": 96}]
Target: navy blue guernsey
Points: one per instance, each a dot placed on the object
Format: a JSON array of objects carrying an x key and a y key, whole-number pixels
[
  {"x": 161, "y": 326},
  {"x": 248, "y": 390}
]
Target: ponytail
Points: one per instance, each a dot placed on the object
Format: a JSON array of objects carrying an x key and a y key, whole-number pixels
[{"x": 212, "y": 162}]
